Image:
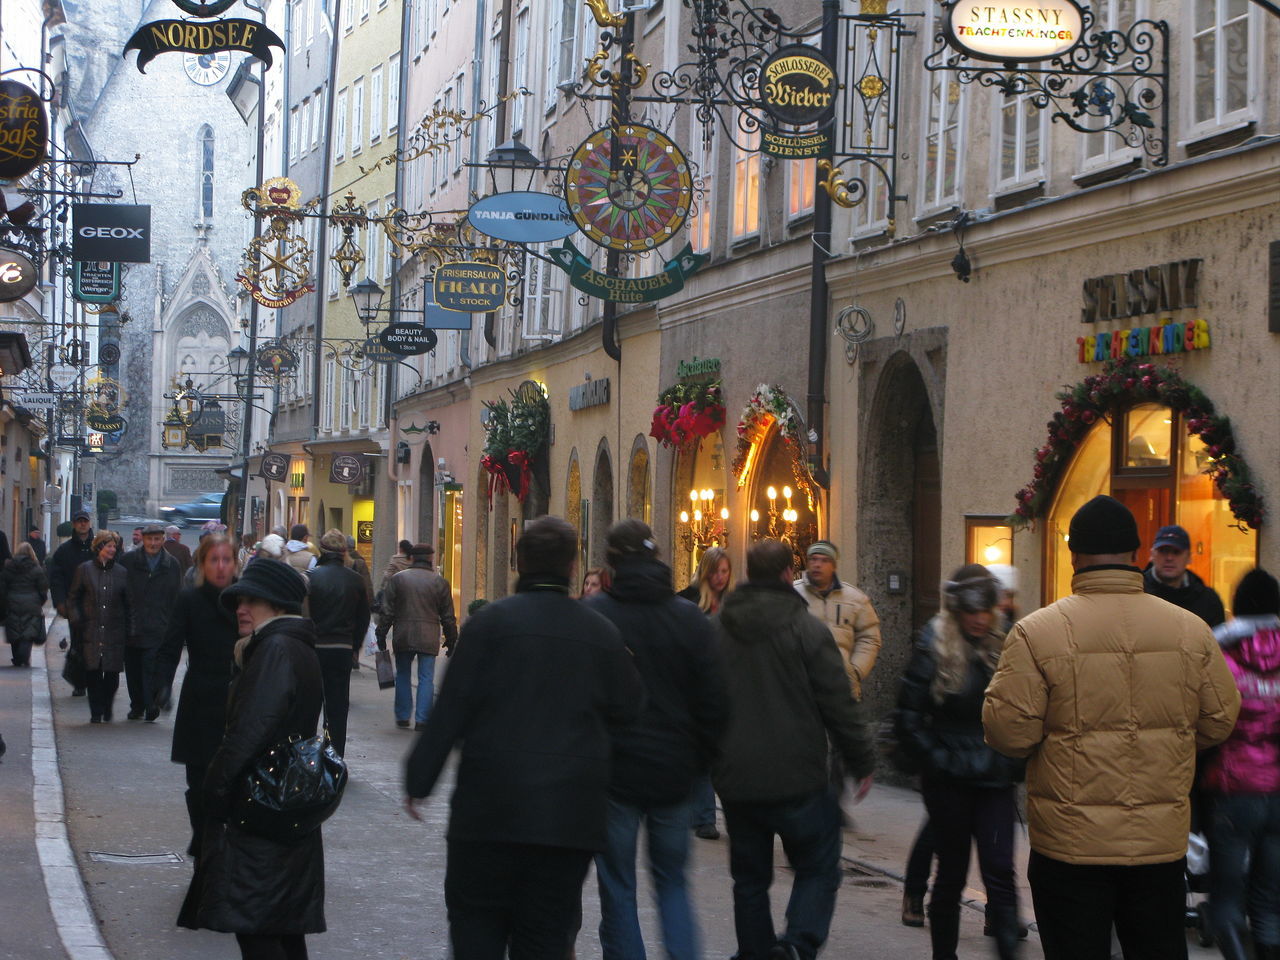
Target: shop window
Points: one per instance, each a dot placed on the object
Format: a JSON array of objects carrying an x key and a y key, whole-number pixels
[
  {"x": 699, "y": 499},
  {"x": 1150, "y": 463},
  {"x": 640, "y": 483},
  {"x": 779, "y": 508},
  {"x": 988, "y": 540}
]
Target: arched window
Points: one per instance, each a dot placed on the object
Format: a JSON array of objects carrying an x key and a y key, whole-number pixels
[{"x": 206, "y": 173}]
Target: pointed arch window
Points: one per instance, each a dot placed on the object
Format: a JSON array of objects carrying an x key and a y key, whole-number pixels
[{"x": 206, "y": 173}]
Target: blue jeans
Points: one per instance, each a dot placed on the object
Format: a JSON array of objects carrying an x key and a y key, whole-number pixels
[
  {"x": 404, "y": 685},
  {"x": 667, "y": 828},
  {"x": 810, "y": 831},
  {"x": 1244, "y": 868}
]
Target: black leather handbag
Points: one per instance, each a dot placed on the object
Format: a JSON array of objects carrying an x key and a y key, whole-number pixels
[{"x": 291, "y": 789}]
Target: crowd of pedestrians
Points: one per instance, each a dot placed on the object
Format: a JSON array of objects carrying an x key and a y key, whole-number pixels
[{"x": 586, "y": 719}]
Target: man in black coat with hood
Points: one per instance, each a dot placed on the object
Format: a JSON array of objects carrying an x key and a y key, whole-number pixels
[
  {"x": 339, "y": 608},
  {"x": 536, "y": 686},
  {"x": 656, "y": 759}
]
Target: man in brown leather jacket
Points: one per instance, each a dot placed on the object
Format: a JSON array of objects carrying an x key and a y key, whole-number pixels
[{"x": 417, "y": 604}]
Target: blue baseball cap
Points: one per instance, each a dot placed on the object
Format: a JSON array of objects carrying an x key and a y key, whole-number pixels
[{"x": 1172, "y": 536}]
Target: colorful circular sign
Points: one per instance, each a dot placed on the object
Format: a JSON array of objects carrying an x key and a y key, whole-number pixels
[
  {"x": 636, "y": 202},
  {"x": 24, "y": 129},
  {"x": 18, "y": 275},
  {"x": 798, "y": 85},
  {"x": 522, "y": 216},
  {"x": 1013, "y": 31},
  {"x": 276, "y": 360}
]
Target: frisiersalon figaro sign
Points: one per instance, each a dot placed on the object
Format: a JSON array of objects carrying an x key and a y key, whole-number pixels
[{"x": 1010, "y": 32}]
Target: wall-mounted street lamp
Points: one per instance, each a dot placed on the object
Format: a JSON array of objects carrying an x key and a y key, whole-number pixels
[
  {"x": 368, "y": 299},
  {"x": 512, "y": 166}
]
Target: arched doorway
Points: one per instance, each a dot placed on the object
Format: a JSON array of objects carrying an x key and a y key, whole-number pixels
[
  {"x": 780, "y": 509},
  {"x": 899, "y": 516},
  {"x": 1145, "y": 458},
  {"x": 601, "y": 504},
  {"x": 640, "y": 482},
  {"x": 699, "y": 468},
  {"x": 426, "y": 496},
  {"x": 575, "y": 508}
]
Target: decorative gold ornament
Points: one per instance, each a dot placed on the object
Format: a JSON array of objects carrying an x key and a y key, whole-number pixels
[
  {"x": 607, "y": 19},
  {"x": 349, "y": 217},
  {"x": 837, "y": 187},
  {"x": 106, "y": 397},
  {"x": 871, "y": 87}
]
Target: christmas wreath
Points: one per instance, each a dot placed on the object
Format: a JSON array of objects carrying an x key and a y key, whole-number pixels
[
  {"x": 515, "y": 433},
  {"x": 686, "y": 413},
  {"x": 769, "y": 405},
  {"x": 1122, "y": 383}
]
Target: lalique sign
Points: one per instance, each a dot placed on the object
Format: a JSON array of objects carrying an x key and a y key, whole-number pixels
[{"x": 1011, "y": 32}]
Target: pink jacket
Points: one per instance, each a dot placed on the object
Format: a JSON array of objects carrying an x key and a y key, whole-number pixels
[{"x": 1249, "y": 761}]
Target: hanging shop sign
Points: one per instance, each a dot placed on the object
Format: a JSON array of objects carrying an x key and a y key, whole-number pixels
[
  {"x": 119, "y": 232},
  {"x": 593, "y": 393},
  {"x": 796, "y": 146},
  {"x": 108, "y": 353},
  {"x": 636, "y": 203},
  {"x": 436, "y": 317},
  {"x": 24, "y": 130},
  {"x": 1118, "y": 296},
  {"x": 275, "y": 466},
  {"x": 96, "y": 281},
  {"x": 798, "y": 85},
  {"x": 347, "y": 468},
  {"x": 18, "y": 274},
  {"x": 627, "y": 289},
  {"x": 1155, "y": 341},
  {"x": 276, "y": 360},
  {"x": 522, "y": 216},
  {"x": 183, "y": 36},
  {"x": 105, "y": 423},
  {"x": 1013, "y": 31},
  {"x": 470, "y": 286},
  {"x": 408, "y": 339},
  {"x": 708, "y": 366},
  {"x": 203, "y": 10},
  {"x": 34, "y": 400},
  {"x": 375, "y": 352}
]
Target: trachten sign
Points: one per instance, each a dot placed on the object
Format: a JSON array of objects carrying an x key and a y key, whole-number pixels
[
  {"x": 183, "y": 36},
  {"x": 522, "y": 216},
  {"x": 118, "y": 232},
  {"x": 470, "y": 286},
  {"x": 24, "y": 130},
  {"x": 347, "y": 468},
  {"x": 18, "y": 275},
  {"x": 408, "y": 339},
  {"x": 798, "y": 85},
  {"x": 96, "y": 282},
  {"x": 593, "y": 393},
  {"x": 627, "y": 289},
  {"x": 1160, "y": 340},
  {"x": 275, "y": 466},
  {"x": 1013, "y": 31}
]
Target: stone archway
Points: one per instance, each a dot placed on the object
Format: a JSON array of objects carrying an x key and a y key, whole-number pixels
[{"x": 601, "y": 503}]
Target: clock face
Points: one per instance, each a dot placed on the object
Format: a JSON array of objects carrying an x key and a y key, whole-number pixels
[
  {"x": 206, "y": 69},
  {"x": 637, "y": 203}
]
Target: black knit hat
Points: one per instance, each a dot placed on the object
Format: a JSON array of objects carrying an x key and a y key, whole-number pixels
[
  {"x": 270, "y": 580},
  {"x": 1258, "y": 594},
  {"x": 1103, "y": 525}
]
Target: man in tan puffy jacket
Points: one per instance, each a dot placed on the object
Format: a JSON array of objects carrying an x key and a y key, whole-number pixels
[
  {"x": 845, "y": 609},
  {"x": 1109, "y": 693}
]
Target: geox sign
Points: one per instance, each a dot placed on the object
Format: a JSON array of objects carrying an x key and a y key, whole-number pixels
[{"x": 114, "y": 232}]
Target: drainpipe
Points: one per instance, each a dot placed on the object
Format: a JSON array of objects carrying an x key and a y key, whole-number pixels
[
  {"x": 390, "y": 413},
  {"x": 817, "y": 399}
]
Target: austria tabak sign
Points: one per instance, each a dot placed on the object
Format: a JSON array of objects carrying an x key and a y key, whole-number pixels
[
  {"x": 1013, "y": 32},
  {"x": 24, "y": 130},
  {"x": 184, "y": 36}
]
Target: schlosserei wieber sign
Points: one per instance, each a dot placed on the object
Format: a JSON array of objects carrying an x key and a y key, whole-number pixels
[
  {"x": 522, "y": 216},
  {"x": 1013, "y": 31},
  {"x": 470, "y": 286},
  {"x": 798, "y": 87}
]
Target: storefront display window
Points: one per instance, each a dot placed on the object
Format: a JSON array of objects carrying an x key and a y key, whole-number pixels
[
  {"x": 1157, "y": 471},
  {"x": 779, "y": 509},
  {"x": 451, "y": 539},
  {"x": 988, "y": 540},
  {"x": 700, "y": 504},
  {"x": 640, "y": 483}
]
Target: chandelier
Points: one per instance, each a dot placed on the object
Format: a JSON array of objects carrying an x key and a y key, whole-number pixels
[{"x": 703, "y": 525}]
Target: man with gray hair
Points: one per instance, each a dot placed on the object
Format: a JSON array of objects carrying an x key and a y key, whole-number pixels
[{"x": 176, "y": 548}]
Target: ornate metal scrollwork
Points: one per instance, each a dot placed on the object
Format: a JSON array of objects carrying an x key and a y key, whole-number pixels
[
  {"x": 348, "y": 217},
  {"x": 1114, "y": 82}
]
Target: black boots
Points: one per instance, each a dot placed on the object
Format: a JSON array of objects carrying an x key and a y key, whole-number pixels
[
  {"x": 912, "y": 911},
  {"x": 1007, "y": 930}
]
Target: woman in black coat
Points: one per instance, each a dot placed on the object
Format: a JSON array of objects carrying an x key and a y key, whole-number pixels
[
  {"x": 98, "y": 612},
  {"x": 968, "y": 788},
  {"x": 269, "y": 893},
  {"x": 24, "y": 587},
  {"x": 200, "y": 623}
]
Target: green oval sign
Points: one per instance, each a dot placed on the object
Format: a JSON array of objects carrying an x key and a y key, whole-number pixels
[{"x": 470, "y": 286}]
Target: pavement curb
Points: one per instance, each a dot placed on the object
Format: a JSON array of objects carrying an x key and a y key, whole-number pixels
[{"x": 68, "y": 900}]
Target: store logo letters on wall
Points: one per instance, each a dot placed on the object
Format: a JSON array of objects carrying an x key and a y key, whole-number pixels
[
  {"x": 799, "y": 90},
  {"x": 181, "y": 36},
  {"x": 1013, "y": 31},
  {"x": 24, "y": 130},
  {"x": 627, "y": 289}
]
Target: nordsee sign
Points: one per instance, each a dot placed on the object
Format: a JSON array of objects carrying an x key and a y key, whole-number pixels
[
  {"x": 1014, "y": 32},
  {"x": 522, "y": 216}
]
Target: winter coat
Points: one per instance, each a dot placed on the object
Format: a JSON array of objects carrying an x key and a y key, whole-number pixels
[
  {"x": 24, "y": 587},
  {"x": 1195, "y": 596},
  {"x": 945, "y": 738},
  {"x": 180, "y": 552},
  {"x": 38, "y": 545},
  {"x": 397, "y": 563},
  {"x": 98, "y": 607},
  {"x": 853, "y": 622},
  {"x": 152, "y": 594},
  {"x": 417, "y": 603},
  {"x": 356, "y": 562},
  {"x": 63, "y": 564},
  {"x": 201, "y": 624},
  {"x": 338, "y": 603},
  {"x": 1249, "y": 760},
  {"x": 657, "y": 758},
  {"x": 537, "y": 686},
  {"x": 1109, "y": 693},
  {"x": 299, "y": 554},
  {"x": 788, "y": 693},
  {"x": 245, "y": 883}
]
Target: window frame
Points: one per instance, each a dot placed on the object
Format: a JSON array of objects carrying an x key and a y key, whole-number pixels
[
  {"x": 746, "y": 165},
  {"x": 340, "y": 127},
  {"x": 357, "y": 115},
  {"x": 1221, "y": 122},
  {"x": 376, "y": 111},
  {"x": 1023, "y": 176}
]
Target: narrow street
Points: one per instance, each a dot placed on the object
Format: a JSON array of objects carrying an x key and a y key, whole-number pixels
[{"x": 127, "y": 828}]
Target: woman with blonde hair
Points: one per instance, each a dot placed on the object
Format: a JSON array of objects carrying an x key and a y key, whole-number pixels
[
  {"x": 968, "y": 788},
  {"x": 711, "y": 582}
]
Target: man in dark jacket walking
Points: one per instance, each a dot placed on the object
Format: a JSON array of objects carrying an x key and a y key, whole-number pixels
[
  {"x": 417, "y": 605},
  {"x": 788, "y": 693},
  {"x": 153, "y": 579},
  {"x": 61, "y": 568},
  {"x": 538, "y": 683},
  {"x": 339, "y": 609},
  {"x": 1168, "y": 578},
  {"x": 656, "y": 759}
]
